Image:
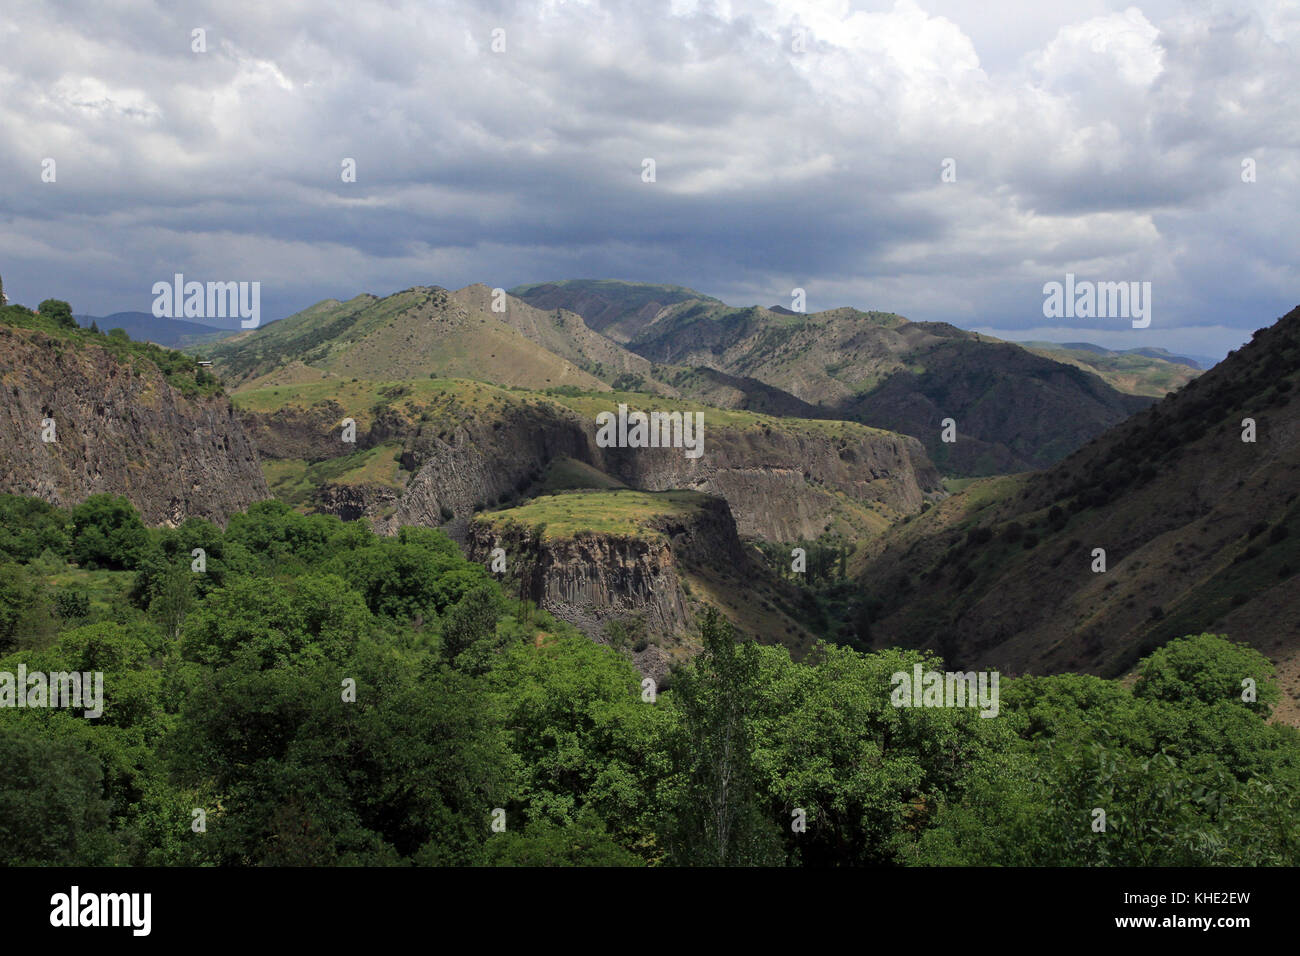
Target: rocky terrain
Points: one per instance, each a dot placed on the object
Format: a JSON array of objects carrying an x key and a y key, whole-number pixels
[
  {"x": 785, "y": 480},
  {"x": 121, "y": 428},
  {"x": 625, "y": 562}
]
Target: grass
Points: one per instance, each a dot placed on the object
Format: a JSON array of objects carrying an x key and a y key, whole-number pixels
[
  {"x": 447, "y": 400},
  {"x": 101, "y": 586},
  {"x": 565, "y": 474},
  {"x": 620, "y": 513},
  {"x": 295, "y": 481},
  {"x": 590, "y": 404},
  {"x": 444, "y": 401}
]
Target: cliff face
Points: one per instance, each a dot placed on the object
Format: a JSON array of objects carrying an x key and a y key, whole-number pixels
[
  {"x": 780, "y": 485},
  {"x": 784, "y": 481},
  {"x": 752, "y": 469},
  {"x": 482, "y": 461},
  {"x": 121, "y": 429},
  {"x": 590, "y": 579},
  {"x": 312, "y": 434}
]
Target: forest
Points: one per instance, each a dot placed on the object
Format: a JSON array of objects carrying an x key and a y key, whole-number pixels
[{"x": 297, "y": 690}]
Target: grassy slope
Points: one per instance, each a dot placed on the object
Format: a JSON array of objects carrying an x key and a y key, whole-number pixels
[
  {"x": 1200, "y": 530},
  {"x": 412, "y": 334},
  {"x": 1128, "y": 372},
  {"x": 295, "y": 481}
]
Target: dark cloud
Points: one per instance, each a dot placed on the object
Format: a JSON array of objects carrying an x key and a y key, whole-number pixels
[{"x": 1100, "y": 139}]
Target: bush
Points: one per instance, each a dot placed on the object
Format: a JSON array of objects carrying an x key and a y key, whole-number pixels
[
  {"x": 59, "y": 312},
  {"x": 72, "y": 605},
  {"x": 28, "y": 526},
  {"x": 1207, "y": 668},
  {"x": 107, "y": 533}
]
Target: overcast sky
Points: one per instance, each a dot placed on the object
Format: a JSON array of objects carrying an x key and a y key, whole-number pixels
[{"x": 1088, "y": 137}]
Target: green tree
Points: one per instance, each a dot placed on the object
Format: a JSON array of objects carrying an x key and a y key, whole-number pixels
[
  {"x": 52, "y": 812},
  {"x": 29, "y": 525},
  {"x": 1208, "y": 668},
  {"x": 173, "y": 601},
  {"x": 26, "y": 612},
  {"x": 59, "y": 312},
  {"x": 542, "y": 843},
  {"x": 718, "y": 819},
  {"x": 469, "y": 629},
  {"x": 107, "y": 533},
  {"x": 266, "y": 624},
  {"x": 585, "y": 738}
]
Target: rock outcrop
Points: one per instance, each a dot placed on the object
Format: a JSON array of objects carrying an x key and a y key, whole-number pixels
[
  {"x": 484, "y": 463},
  {"x": 590, "y": 579},
  {"x": 120, "y": 428},
  {"x": 785, "y": 479}
]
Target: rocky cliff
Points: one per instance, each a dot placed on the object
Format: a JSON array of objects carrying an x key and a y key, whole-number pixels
[
  {"x": 642, "y": 577},
  {"x": 785, "y": 480},
  {"x": 782, "y": 484},
  {"x": 119, "y": 428}
]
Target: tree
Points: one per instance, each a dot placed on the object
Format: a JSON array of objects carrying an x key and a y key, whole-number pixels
[
  {"x": 1208, "y": 668},
  {"x": 26, "y": 614},
  {"x": 29, "y": 525},
  {"x": 52, "y": 811},
  {"x": 585, "y": 738},
  {"x": 718, "y": 819},
  {"x": 107, "y": 533},
  {"x": 59, "y": 312},
  {"x": 172, "y": 603},
  {"x": 542, "y": 843},
  {"x": 469, "y": 629}
]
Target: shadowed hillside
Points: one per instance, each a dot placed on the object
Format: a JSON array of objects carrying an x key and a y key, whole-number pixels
[{"x": 1201, "y": 531}]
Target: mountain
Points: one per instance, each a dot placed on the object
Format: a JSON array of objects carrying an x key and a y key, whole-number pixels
[
  {"x": 430, "y": 331},
  {"x": 1013, "y": 409},
  {"x": 1145, "y": 371},
  {"x": 129, "y": 419},
  {"x": 1201, "y": 532},
  {"x": 615, "y": 308},
  {"x": 1163, "y": 355},
  {"x": 145, "y": 327}
]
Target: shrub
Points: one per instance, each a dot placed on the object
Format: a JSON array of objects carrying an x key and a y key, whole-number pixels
[{"x": 107, "y": 533}]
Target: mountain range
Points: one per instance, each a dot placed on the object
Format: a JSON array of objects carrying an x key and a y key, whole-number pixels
[
  {"x": 1012, "y": 409},
  {"x": 474, "y": 410},
  {"x": 173, "y": 333}
]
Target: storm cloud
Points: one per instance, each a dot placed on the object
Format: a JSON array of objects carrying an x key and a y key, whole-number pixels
[{"x": 795, "y": 145}]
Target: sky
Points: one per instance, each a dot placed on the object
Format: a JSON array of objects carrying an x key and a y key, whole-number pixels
[{"x": 941, "y": 159}]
